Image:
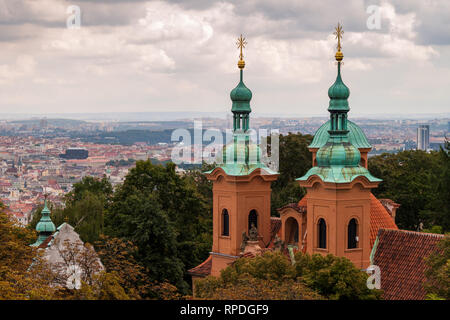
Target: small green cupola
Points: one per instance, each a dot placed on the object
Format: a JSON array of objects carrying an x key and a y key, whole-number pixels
[
  {"x": 338, "y": 160},
  {"x": 241, "y": 96},
  {"x": 45, "y": 226}
]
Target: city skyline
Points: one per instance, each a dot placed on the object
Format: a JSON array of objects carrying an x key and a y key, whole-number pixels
[{"x": 126, "y": 56}]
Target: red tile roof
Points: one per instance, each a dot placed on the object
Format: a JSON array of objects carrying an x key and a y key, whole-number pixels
[
  {"x": 295, "y": 206},
  {"x": 275, "y": 226},
  {"x": 45, "y": 243},
  {"x": 379, "y": 218},
  {"x": 400, "y": 255},
  {"x": 203, "y": 269}
]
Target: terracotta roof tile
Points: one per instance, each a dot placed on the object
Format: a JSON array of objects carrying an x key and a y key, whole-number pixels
[
  {"x": 275, "y": 226},
  {"x": 203, "y": 269},
  {"x": 295, "y": 206},
  {"x": 45, "y": 243},
  {"x": 400, "y": 255},
  {"x": 379, "y": 218}
]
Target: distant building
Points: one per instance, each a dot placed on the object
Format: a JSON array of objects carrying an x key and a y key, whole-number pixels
[
  {"x": 75, "y": 153},
  {"x": 423, "y": 137}
]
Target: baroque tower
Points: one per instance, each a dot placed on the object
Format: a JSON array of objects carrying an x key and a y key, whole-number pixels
[
  {"x": 339, "y": 184},
  {"x": 241, "y": 184}
]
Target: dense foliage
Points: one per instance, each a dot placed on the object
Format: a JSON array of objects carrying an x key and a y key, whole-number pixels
[
  {"x": 25, "y": 274},
  {"x": 272, "y": 276},
  {"x": 17, "y": 280},
  {"x": 166, "y": 217},
  {"x": 419, "y": 182},
  {"x": 295, "y": 160},
  {"x": 438, "y": 272},
  {"x": 85, "y": 208}
]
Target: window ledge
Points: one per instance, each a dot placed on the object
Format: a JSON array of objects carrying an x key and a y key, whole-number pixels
[{"x": 353, "y": 250}]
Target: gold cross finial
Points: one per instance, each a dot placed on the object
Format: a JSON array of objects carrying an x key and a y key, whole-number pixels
[
  {"x": 339, "y": 34},
  {"x": 241, "y": 43}
]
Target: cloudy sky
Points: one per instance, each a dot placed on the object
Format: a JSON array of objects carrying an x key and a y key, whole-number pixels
[{"x": 181, "y": 55}]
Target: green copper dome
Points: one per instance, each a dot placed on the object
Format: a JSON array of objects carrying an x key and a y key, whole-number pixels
[
  {"x": 45, "y": 224},
  {"x": 338, "y": 93},
  {"x": 355, "y": 136},
  {"x": 338, "y": 154},
  {"x": 240, "y": 150},
  {"x": 339, "y": 174},
  {"x": 241, "y": 157},
  {"x": 241, "y": 96}
]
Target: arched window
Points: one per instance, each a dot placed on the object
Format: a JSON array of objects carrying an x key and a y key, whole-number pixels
[
  {"x": 291, "y": 231},
  {"x": 225, "y": 223},
  {"x": 352, "y": 234},
  {"x": 322, "y": 233},
  {"x": 252, "y": 219}
]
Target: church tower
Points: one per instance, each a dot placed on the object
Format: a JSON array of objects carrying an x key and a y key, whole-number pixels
[
  {"x": 241, "y": 185},
  {"x": 339, "y": 185},
  {"x": 45, "y": 226}
]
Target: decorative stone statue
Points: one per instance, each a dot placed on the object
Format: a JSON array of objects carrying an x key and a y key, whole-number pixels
[
  {"x": 244, "y": 241},
  {"x": 278, "y": 243},
  {"x": 253, "y": 233}
]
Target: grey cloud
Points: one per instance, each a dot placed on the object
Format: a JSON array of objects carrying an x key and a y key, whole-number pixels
[
  {"x": 433, "y": 18},
  {"x": 93, "y": 13}
]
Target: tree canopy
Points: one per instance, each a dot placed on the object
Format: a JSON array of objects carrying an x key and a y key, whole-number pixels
[
  {"x": 437, "y": 284},
  {"x": 272, "y": 276},
  {"x": 294, "y": 160},
  {"x": 419, "y": 182},
  {"x": 167, "y": 218}
]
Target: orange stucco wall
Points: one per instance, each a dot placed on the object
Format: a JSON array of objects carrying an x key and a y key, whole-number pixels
[
  {"x": 238, "y": 195},
  {"x": 338, "y": 206}
]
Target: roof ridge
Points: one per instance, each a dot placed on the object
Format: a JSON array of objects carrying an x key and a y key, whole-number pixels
[{"x": 438, "y": 235}]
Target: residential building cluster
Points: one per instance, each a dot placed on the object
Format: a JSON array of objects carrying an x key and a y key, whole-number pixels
[{"x": 31, "y": 167}]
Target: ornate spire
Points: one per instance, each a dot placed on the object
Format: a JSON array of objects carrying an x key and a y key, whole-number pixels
[
  {"x": 347, "y": 155},
  {"x": 338, "y": 93},
  {"x": 241, "y": 43},
  {"x": 241, "y": 95},
  {"x": 339, "y": 34}
]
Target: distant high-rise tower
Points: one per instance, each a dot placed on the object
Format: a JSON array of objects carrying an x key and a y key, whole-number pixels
[{"x": 423, "y": 137}]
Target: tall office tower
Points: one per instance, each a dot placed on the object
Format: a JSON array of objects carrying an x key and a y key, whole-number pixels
[{"x": 423, "y": 137}]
